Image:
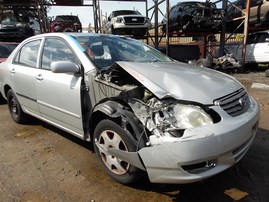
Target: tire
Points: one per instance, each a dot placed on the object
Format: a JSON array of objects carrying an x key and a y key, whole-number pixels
[
  {"x": 164, "y": 28},
  {"x": 110, "y": 135},
  {"x": 203, "y": 63},
  {"x": 15, "y": 109},
  {"x": 186, "y": 23},
  {"x": 267, "y": 73},
  {"x": 113, "y": 31},
  {"x": 68, "y": 30}
]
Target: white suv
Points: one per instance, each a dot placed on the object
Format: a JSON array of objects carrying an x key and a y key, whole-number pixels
[
  {"x": 128, "y": 22},
  {"x": 257, "y": 49}
]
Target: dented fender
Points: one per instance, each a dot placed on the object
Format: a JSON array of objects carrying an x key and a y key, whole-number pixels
[{"x": 115, "y": 110}]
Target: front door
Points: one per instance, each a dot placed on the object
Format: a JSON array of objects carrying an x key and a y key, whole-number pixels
[{"x": 59, "y": 94}]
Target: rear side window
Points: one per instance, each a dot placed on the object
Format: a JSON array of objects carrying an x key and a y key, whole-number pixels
[
  {"x": 28, "y": 54},
  {"x": 262, "y": 38}
]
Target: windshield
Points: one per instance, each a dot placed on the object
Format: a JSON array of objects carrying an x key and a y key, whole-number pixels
[
  {"x": 126, "y": 12},
  {"x": 66, "y": 18},
  {"x": 105, "y": 50},
  {"x": 198, "y": 4}
]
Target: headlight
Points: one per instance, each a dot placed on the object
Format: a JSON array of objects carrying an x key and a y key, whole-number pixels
[
  {"x": 119, "y": 19},
  {"x": 189, "y": 116},
  {"x": 19, "y": 24}
]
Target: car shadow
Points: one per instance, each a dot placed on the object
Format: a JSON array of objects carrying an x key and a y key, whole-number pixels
[{"x": 85, "y": 144}]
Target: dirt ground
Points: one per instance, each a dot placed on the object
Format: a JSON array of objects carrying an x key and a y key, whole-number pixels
[{"x": 39, "y": 163}]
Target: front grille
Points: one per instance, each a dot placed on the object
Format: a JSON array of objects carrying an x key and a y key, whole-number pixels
[
  {"x": 235, "y": 103},
  {"x": 134, "y": 20}
]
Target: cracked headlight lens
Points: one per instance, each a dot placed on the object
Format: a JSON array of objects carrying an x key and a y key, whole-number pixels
[{"x": 190, "y": 116}]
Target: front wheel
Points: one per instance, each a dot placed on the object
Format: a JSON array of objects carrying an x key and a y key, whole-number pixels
[
  {"x": 15, "y": 109},
  {"x": 107, "y": 135},
  {"x": 113, "y": 31}
]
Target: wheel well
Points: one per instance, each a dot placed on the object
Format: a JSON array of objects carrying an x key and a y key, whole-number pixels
[
  {"x": 99, "y": 116},
  {"x": 6, "y": 89},
  {"x": 120, "y": 115}
]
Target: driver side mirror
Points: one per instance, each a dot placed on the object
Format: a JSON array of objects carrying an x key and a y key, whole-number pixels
[{"x": 64, "y": 67}]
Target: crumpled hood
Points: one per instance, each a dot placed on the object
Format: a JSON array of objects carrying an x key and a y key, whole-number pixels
[{"x": 182, "y": 81}]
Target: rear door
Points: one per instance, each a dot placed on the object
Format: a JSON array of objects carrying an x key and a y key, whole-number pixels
[
  {"x": 59, "y": 94},
  {"x": 23, "y": 72}
]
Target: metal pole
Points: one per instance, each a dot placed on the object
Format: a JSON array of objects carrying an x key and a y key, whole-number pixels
[
  {"x": 245, "y": 32},
  {"x": 167, "y": 27},
  {"x": 95, "y": 16},
  {"x": 223, "y": 31},
  {"x": 99, "y": 17},
  {"x": 38, "y": 7},
  {"x": 147, "y": 14},
  {"x": 156, "y": 35}
]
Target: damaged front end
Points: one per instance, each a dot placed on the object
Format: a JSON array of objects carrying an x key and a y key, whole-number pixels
[
  {"x": 163, "y": 120},
  {"x": 183, "y": 141},
  {"x": 167, "y": 119}
]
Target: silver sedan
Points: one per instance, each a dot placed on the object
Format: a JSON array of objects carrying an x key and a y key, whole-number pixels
[{"x": 143, "y": 112}]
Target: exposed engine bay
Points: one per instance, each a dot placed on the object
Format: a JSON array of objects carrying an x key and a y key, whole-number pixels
[{"x": 166, "y": 118}]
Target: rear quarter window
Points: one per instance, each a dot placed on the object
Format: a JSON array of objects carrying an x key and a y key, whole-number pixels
[{"x": 27, "y": 55}]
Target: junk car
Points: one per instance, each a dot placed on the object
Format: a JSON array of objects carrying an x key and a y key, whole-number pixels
[
  {"x": 143, "y": 112},
  {"x": 66, "y": 23},
  {"x": 128, "y": 22},
  {"x": 194, "y": 16},
  {"x": 258, "y": 14}
]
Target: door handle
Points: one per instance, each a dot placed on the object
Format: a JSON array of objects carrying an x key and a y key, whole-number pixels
[{"x": 39, "y": 77}]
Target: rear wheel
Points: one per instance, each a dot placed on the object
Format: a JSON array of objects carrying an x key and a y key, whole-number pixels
[
  {"x": 267, "y": 73},
  {"x": 107, "y": 135},
  {"x": 15, "y": 109},
  {"x": 186, "y": 23}
]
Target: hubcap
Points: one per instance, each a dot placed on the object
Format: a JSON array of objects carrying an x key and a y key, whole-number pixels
[
  {"x": 14, "y": 106},
  {"x": 109, "y": 139}
]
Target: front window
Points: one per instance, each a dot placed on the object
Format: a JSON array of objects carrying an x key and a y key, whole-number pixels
[
  {"x": 105, "y": 50},
  {"x": 56, "y": 50}
]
